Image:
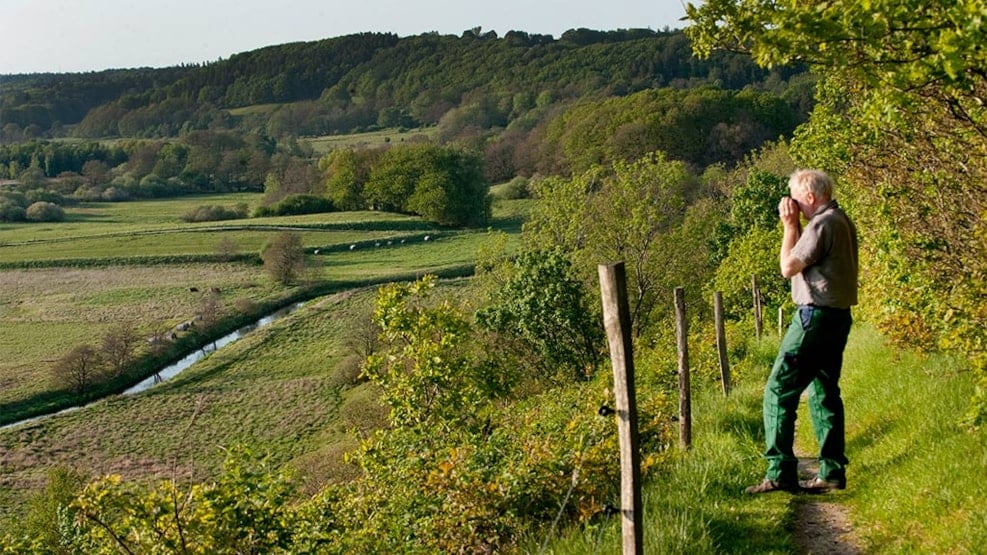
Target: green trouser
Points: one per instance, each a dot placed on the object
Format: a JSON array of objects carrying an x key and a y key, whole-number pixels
[{"x": 810, "y": 356}]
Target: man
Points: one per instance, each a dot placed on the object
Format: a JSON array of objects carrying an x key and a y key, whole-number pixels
[{"x": 821, "y": 262}]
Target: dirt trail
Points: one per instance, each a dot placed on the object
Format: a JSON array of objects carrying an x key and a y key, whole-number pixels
[{"x": 822, "y": 525}]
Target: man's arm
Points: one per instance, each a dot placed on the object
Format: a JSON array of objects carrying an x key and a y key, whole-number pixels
[{"x": 788, "y": 211}]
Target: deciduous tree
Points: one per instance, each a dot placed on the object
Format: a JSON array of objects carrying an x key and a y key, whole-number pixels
[
  {"x": 79, "y": 368},
  {"x": 284, "y": 257},
  {"x": 118, "y": 347},
  {"x": 902, "y": 119}
]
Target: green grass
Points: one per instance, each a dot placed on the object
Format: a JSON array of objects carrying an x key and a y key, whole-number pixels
[
  {"x": 276, "y": 390},
  {"x": 95, "y": 273},
  {"x": 916, "y": 480},
  {"x": 324, "y": 144},
  {"x": 46, "y": 312}
]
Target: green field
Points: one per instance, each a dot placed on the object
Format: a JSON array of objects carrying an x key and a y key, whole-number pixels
[
  {"x": 286, "y": 390},
  {"x": 322, "y": 145},
  {"x": 69, "y": 300}
]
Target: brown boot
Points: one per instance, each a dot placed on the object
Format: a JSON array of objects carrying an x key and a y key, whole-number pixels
[
  {"x": 818, "y": 485},
  {"x": 768, "y": 486}
]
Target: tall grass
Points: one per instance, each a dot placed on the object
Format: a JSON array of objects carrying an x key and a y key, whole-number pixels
[{"x": 916, "y": 480}]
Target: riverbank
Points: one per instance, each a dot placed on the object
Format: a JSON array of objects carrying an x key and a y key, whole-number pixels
[{"x": 152, "y": 363}]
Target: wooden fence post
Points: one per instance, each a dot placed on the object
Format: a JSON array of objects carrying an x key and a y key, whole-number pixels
[
  {"x": 758, "y": 320},
  {"x": 721, "y": 341},
  {"x": 685, "y": 395},
  {"x": 781, "y": 322},
  {"x": 617, "y": 319}
]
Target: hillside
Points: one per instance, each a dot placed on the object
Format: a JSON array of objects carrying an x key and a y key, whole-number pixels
[{"x": 342, "y": 84}]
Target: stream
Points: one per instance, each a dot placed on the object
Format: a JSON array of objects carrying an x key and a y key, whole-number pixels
[{"x": 185, "y": 363}]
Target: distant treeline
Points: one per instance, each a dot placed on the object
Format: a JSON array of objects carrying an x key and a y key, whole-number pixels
[{"x": 370, "y": 80}]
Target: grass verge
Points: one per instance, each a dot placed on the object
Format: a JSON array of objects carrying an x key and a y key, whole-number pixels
[{"x": 916, "y": 480}]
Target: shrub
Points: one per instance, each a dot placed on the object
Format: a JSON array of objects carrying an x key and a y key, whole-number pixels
[
  {"x": 80, "y": 368},
  {"x": 215, "y": 213},
  {"x": 296, "y": 204},
  {"x": 45, "y": 212},
  {"x": 10, "y": 211},
  {"x": 284, "y": 257},
  {"x": 516, "y": 188}
]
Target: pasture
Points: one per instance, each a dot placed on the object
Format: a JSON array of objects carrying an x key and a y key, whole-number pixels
[
  {"x": 327, "y": 143},
  {"x": 287, "y": 390},
  {"x": 279, "y": 391}
]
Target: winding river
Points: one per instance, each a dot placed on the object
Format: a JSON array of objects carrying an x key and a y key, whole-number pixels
[{"x": 185, "y": 363}]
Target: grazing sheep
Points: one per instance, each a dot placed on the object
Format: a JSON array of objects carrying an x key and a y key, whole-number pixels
[
  {"x": 352, "y": 247},
  {"x": 427, "y": 237},
  {"x": 316, "y": 251}
]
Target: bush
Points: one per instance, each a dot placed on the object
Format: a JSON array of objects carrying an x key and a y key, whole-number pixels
[
  {"x": 215, "y": 213},
  {"x": 284, "y": 257},
  {"x": 516, "y": 188},
  {"x": 45, "y": 212},
  {"x": 10, "y": 211},
  {"x": 295, "y": 205}
]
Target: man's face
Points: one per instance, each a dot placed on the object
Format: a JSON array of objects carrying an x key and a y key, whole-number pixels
[{"x": 804, "y": 199}]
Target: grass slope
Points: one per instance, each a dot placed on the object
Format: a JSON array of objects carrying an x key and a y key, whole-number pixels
[
  {"x": 278, "y": 391},
  {"x": 916, "y": 480}
]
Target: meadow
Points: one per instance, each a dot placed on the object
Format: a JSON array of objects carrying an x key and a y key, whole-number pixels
[{"x": 279, "y": 391}]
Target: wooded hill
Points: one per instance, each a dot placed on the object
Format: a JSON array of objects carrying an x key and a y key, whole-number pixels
[{"x": 363, "y": 81}]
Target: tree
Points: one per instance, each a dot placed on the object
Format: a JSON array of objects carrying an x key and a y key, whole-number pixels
[
  {"x": 284, "y": 257},
  {"x": 902, "y": 119},
  {"x": 443, "y": 185},
  {"x": 347, "y": 172},
  {"x": 618, "y": 213},
  {"x": 424, "y": 367},
  {"x": 227, "y": 249},
  {"x": 118, "y": 347},
  {"x": 79, "y": 368},
  {"x": 543, "y": 305}
]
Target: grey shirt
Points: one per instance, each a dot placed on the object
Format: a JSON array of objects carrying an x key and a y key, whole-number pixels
[{"x": 828, "y": 247}]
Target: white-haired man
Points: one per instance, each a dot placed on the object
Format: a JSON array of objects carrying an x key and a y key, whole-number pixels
[{"x": 821, "y": 262}]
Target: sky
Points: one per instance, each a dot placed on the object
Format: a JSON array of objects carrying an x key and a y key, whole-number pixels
[{"x": 66, "y": 36}]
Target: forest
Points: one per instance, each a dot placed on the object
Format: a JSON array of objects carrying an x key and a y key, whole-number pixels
[
  {"x": 345, "y": 84},
  {"x": 520, "y": 105}
]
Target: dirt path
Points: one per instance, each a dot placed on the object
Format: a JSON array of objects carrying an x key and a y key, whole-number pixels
[{"x": 822, "y": 525}]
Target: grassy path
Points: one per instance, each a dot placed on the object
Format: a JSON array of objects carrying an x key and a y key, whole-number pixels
[{"x": 916, "y": 479}]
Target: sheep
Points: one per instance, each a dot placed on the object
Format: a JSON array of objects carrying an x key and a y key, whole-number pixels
[
  {"x": 427, "y": 237},
  {"x": 352, "y": 247}
]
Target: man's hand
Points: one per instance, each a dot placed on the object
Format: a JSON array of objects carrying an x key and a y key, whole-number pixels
[{"x": 789, "y": 212}]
